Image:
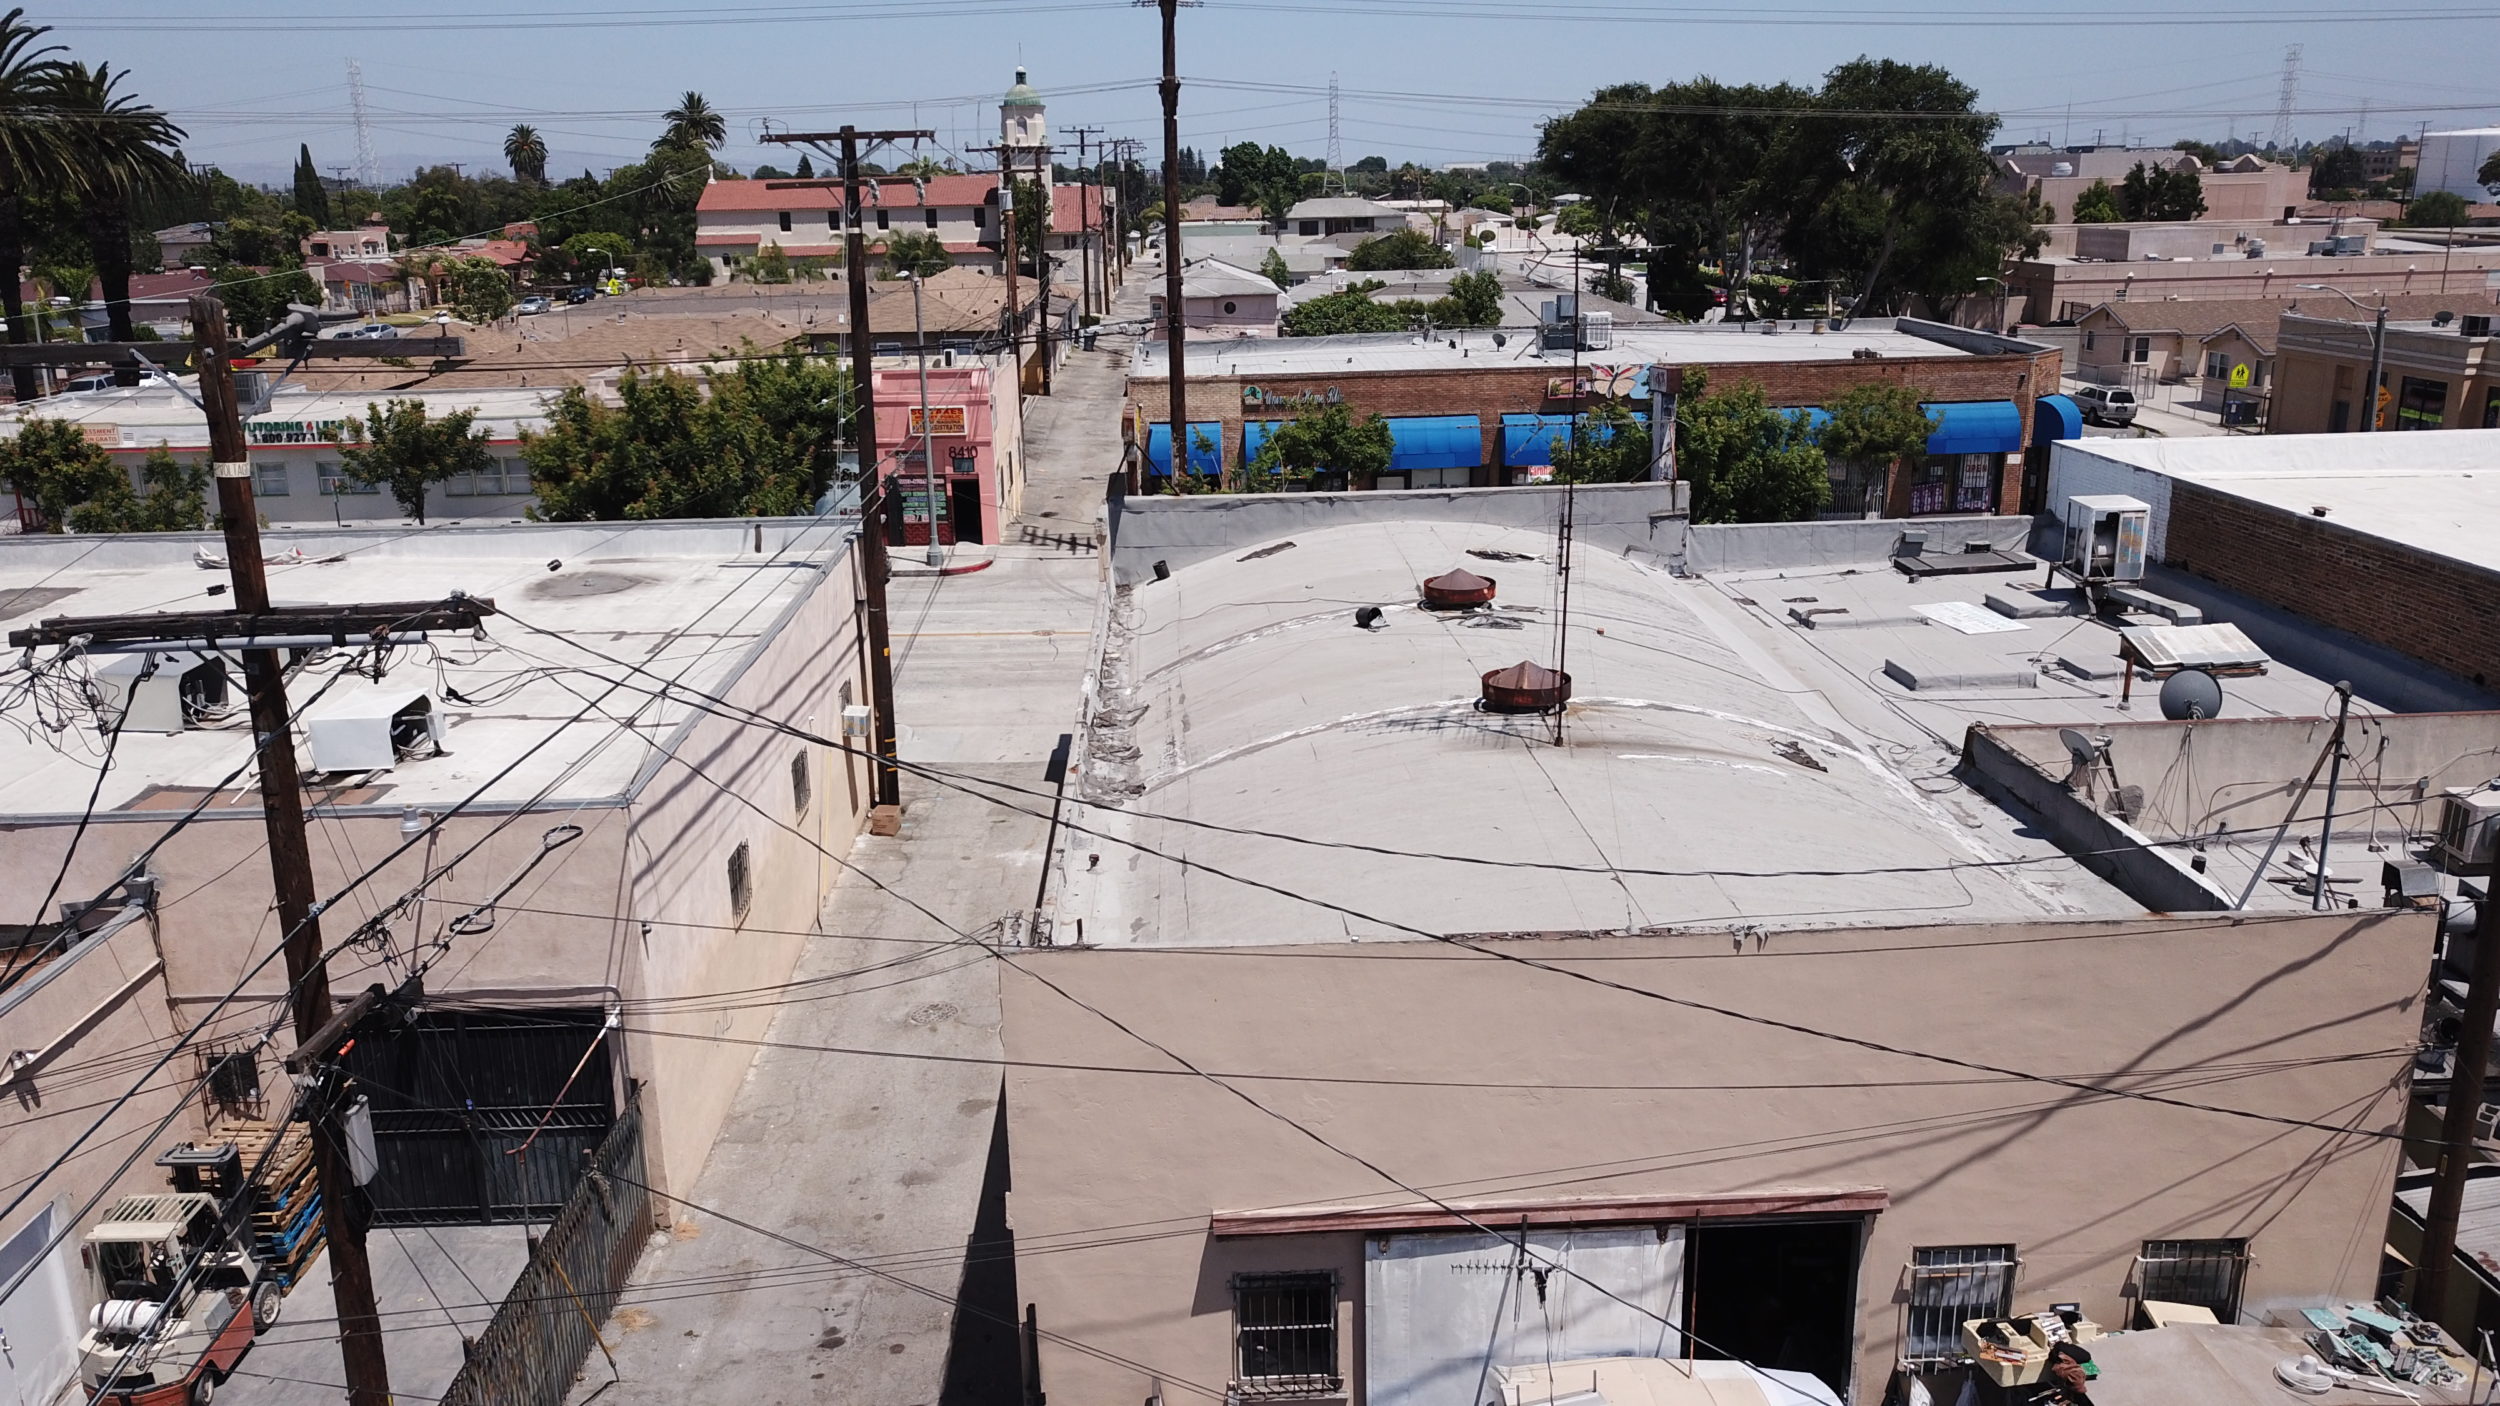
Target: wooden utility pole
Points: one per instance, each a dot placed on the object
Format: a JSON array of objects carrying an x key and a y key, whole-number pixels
[
  {"x": 1173, "y": 333},
  {"x": 1084, "y": 220},
  {"x": 2465, "y": 1103},
  {"x": 290, "y": 854},
  {"x": 844, "y": 147}
]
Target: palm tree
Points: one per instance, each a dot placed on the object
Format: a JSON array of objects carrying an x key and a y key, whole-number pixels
[
  {"x": 127, "y": 152},
  {"x": 33, "y": 155},
  {"x": 693, "y": 125},
  {"x": 527, "y": 151}
]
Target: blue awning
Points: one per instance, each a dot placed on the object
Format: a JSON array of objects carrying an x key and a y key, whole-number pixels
[
  {"x": 2055, "y": 417},
  {"x": 1201, "y": 460},
  {"x": 1254, "y": 435},
  {"x": 1528, "y": 441},
  {"x": 1976, "y": 427},
  {"x": 1436, "y": 442}
]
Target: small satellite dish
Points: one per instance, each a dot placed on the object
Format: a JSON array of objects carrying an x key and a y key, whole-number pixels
[
  {"x": 2078, "y": 746},
  {"x": 2190, "y": 694}
]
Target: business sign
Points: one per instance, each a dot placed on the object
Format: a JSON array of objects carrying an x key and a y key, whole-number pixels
[
  {"x": 1257, "y": 398},
  {"x": 101, "y": 436},
  {"x": 1610, "y": 382},
  {"x": 293, "y": 431},
  {"x": 942, "y": 420},
  {"x": 917, "y": 504}
]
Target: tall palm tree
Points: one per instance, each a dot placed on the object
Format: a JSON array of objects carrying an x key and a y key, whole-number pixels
[
  {"x": 34, "y": 154},
  {"x": 693, "y": 125},
  {"x": 527, "y": 151},
  {"x": 127, "y": 152}
]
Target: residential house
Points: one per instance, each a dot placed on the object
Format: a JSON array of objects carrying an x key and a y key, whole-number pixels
[
  {"x": 365, "y": 285},
  {"x": 370, "y": 240},
  {"x": 184, "y": 244},
  {"x": 2202, "y": 341},
  {"x": 1219, "y": 300},
  {"x": 1323, "y": 217}
]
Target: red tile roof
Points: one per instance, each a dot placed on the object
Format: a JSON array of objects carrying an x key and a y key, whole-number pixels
[{"x": 893, "y": 193}]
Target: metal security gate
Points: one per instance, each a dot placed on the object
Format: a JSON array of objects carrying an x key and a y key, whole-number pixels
[
  {"x": 547, "y": 1325},
  {"x": 484, "y": 1116}
]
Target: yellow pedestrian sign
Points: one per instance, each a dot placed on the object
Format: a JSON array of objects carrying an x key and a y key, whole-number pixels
[{"x": 2239, "y": 376}]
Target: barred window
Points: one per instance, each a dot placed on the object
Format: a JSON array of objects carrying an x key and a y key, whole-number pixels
[
  {"x": 1286, "y": 1327},
  {"x": 1949, "y": 1286},
  {"x": 269, "y": 480},
  {"x": 741, "y": 881},
  {"x": 2206, "y": 1273},
  {"x": 801, "y": 791}
]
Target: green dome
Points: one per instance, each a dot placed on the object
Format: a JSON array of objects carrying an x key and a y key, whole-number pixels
[{"x": 1022, "y": 94}]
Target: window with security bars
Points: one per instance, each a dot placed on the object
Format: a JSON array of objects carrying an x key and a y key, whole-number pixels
[
  {"x": 2207, "y": 1273},
  {"x": 1949, "y": 1286},
  {"x": 1286, "y": 1325}
]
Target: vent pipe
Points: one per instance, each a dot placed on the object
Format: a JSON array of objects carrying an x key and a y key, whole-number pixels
[
  {"x": 1525, "y": 687},
  {"x": 1457, "y": 589}
]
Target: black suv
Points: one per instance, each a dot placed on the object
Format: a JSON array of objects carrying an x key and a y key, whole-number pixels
[{"x": 581, "y": 295}]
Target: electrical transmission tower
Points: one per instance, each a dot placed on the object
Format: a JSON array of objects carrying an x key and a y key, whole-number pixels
[
  {"x": 1336, "y": 148},
  {"x": 368, "y": 170},
  {"x": 2281, "y": 138}
]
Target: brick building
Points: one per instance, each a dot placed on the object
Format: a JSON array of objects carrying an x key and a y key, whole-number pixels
[
  {"x": 2386, "y": 537},
  {"x": 1484, "y": 408}
]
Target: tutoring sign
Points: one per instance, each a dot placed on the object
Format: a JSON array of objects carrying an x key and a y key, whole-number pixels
[{"x": 942, "y": 420}]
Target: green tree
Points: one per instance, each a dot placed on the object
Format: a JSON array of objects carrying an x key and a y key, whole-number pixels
[
  {"x": 762, "y": 442},
  {"x": 312, "y": 198},
  {"x": 128, "y": 154},
  {"x": 1250, "y": 174},
  {"x": 2159, "y": 193},
  {"x": 1874, "y": 425},
  {"x": 692, "y": 125},
  {"x": 1606, "y": 445},
  {"x": 35, "y": 155},
  {"x": 1032, "y": 223},
  {"x": 771, "y": 265},
  {"x": 2438, "y": 210},
  {"x": 1475, "y": 300},
  {"x": 399, "y": 447},
  {"x": 2489, "y": 175},
  {"x": 594, "y": 252},
  {"x": 806, "y": 170},
  {"x": 2097, "y": 205},
  {"x": 1272, "y": 268},
  {"x": 1326, "y": 439},
  {"x": 1578, "y": 220},
  {"x": 255, "y": 300},
  {"x": 2202, "y": 151},
  {"x": 1345, "y": 311},
  {"x": 2335, "y": 173},
  {"x": 477, "y": 288},
  {"x": 176, "y": 500},
  {"x": 527, "y": 151},
  {"x": 51, "y": 465},
  {"x": 1746, "y": 461},
  {"x": 1399, "y": 249},
  {"x": 916, "y": 251}
]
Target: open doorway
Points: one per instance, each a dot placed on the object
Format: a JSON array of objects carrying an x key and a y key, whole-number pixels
[
  {"x": 1781, "y": 1295},
  {"x": 963, "y": 508}
]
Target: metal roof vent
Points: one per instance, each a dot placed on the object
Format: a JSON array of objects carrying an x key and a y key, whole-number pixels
[
  {"x": 1525, "y": 688},
  {"x": 1457, "y": 589}
]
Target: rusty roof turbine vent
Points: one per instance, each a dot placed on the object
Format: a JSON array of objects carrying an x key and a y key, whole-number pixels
[
  {"x": 1457, "y": 589},
  {"x": 1525, "y": 688}
]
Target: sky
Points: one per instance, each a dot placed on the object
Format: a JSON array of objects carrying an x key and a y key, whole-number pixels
[{"x": 1428, "y": 81}]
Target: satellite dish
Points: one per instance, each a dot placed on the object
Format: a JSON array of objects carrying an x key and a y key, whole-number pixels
[
  {"x": 2190, "y": 694},
  {"x": 2078, "y": 746}
]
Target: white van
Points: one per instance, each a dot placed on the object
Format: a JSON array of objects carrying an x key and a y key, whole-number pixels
[{"x": 2106, "y": 405}]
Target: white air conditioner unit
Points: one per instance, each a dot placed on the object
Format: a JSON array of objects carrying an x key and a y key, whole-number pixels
[
  {"x": 374, "y": 731},
  {"x": 183, "y": 688},
  {"x": 2469, "y": 821},
  {"x": 855, "y": 720},
  {"x": 2105, "y": 537}
]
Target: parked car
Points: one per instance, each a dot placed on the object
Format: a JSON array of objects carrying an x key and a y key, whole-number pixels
[
  {"x": 366, "y": 332},
  {"x": 2106, "y": 405},
  {"x": 584, "y": 294},
  {"x": 532, "y": 306}
]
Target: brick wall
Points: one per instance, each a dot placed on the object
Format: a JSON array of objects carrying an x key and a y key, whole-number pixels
[
  {"x": 2435, "y": 609},
  {"x": 1495, "y": 391}
]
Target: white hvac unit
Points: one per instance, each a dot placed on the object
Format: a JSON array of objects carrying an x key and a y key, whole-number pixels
[
  {"x": 374, "y": 731},
  {"x": 855, "y": 720},
  {"x": 2469, "y": 822},
  {"x": 2105, "y": 537},
  {"x": 166, "y": 692}
]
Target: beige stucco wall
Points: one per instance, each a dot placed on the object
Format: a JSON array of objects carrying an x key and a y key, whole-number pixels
[{"x": 1116, "y": 1173}]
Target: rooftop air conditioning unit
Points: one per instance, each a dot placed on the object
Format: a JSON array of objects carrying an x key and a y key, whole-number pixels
[
  {"x": 184, "y": 689},
  {"x": 374, "y": 731},
  {"x": 2469, "y": 820},
  {"x": 2105, "y": 537},
  {"x": 1597, "y": 331}
]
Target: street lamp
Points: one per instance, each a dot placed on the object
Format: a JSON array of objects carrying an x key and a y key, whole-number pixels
[
  {"x": 2378, "y": 346},
  {"x": 2004, "y": 291}
]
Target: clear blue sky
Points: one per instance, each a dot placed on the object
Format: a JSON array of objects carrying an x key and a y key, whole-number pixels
[{"x": 1433, "y": 81}]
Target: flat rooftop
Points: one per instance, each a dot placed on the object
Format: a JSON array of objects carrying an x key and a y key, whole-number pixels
[
  {"x": 688, "y": 600},
  {"x": 1687, "y": 343},
  {"x": 1701, "y": 782},
  {"x": 2437, "y": 491},
  {"x": 144, "y": 417}
]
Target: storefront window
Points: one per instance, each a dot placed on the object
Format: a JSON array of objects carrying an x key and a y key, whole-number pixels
[
  {"x": 2420, "y": 404},
  {"x": 1956, "y": 483}
]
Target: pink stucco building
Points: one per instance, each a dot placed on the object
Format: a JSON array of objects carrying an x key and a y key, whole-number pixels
[{"x": 975, "y": 435}]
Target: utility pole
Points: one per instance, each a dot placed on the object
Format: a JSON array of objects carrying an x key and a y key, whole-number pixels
[
  {"x": 1172, "y": 328},
  {"x": 1084, "y": 220},
  {"x": 2465, "y": 1102},
  {"x": 872, "y": 474}
]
